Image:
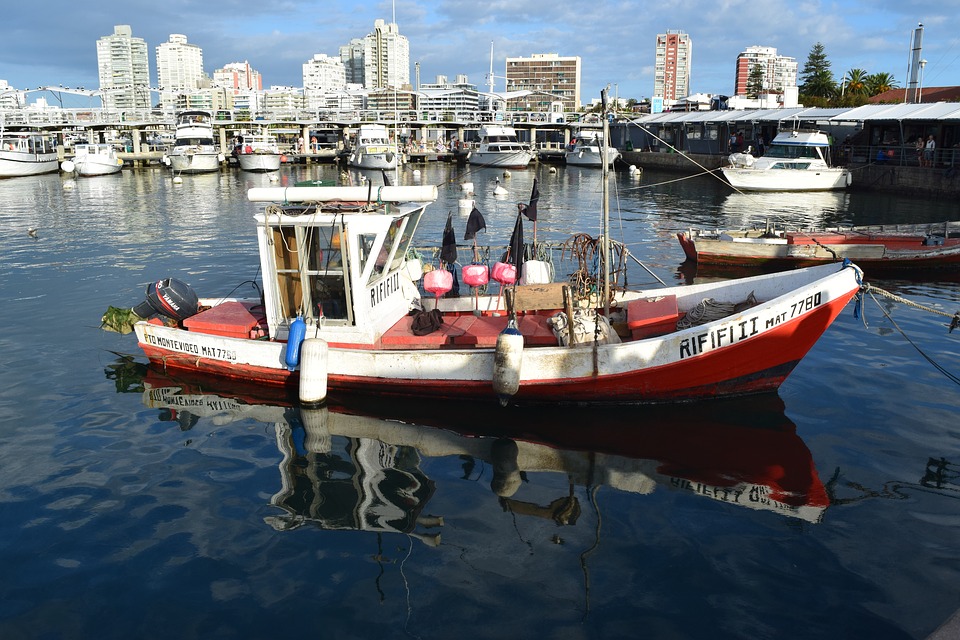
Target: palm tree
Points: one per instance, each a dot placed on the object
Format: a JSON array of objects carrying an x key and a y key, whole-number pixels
[
  {"x": 877, "y": 83},
  {"x": 856, "y": 81}
]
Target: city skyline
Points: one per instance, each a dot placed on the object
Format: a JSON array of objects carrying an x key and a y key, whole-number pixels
[{"x": 617, "y": 43}]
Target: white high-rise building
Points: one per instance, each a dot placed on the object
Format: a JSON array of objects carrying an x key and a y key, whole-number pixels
[
  {"x": 179, "y": 68},
  {"x": 124, "y": 69},
  {"x": 671, "y": 75},
  {"x": 379, "y": 60},
  {"x": 324, "y": 73},
  {"x": 779, "y": 72}
]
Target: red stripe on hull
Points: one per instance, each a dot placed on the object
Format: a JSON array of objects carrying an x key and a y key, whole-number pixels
[{"x": 750, "y": 366}]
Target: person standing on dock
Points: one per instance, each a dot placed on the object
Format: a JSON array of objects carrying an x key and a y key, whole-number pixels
[{"x": 929, "y": 150}]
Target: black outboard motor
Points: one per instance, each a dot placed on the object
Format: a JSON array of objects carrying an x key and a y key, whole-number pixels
[{"x": 171, "y": 298}]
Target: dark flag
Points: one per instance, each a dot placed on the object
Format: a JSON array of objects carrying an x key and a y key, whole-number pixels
[
  {"x": 448, "y": 247},
  {"x": 516, "y": 244},
  {"x": 474, "y": 223},
  {"x": 530, "y": 210}
]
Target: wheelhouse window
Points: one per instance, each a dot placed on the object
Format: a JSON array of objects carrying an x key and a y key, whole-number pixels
[{"x": 311, "y": 280}]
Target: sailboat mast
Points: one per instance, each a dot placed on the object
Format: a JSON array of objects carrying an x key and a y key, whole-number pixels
[
  {"x": 605, "y": 239},
  {"x": 490, "y": 75}
]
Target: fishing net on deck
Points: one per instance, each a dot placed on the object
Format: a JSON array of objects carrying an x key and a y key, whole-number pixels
[{"x": 709, "y": 310}]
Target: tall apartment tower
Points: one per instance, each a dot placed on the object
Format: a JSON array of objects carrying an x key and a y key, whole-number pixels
[
  {"x": 324, "y": 73},
  {"x": 550, "y": 76},
  {"x": 239, "y": 77},
  {"x": 779, "y": 72},
  {"x": 671, "y": 79},
  {"x": 124, "y": 70},
  {"x": 179, "y": 68},
  {"x": 379, "y": 60}
]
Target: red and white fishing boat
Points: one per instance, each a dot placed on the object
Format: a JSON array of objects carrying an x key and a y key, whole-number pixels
[
  {"x": 338, "y": 293},
  {"x": 886, "y": 249}
]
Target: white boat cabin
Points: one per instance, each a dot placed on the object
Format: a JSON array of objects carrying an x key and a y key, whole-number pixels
[{"x": 338, "y": 263}]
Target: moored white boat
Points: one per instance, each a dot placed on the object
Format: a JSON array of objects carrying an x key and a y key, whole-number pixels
[
  {"x": 499, "y": 147},
  {"x": 194, "y": 150},
  {"x": 26, "y": 153},
  {"x": 258, "y": 153},
  {"x": 587, "y": 150},
  {"x": 94, "y": 160},
  {"x": 374, "y": 149},
  {"x": 340, "y": 275},
  {"x": 796, "y": 160}
]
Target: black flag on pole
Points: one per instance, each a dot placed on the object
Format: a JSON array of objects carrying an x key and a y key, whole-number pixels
[
  {"x": 516, "y": 251},
  {"x": 448, "y": 246},
  {"x": 475, "y": 223},
  {"x": 530, "y": 210}
]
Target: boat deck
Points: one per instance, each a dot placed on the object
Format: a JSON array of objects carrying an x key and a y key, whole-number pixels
[{"x": 644, "y": 318}]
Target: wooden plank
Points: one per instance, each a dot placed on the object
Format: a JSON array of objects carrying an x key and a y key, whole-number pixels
[{"x": 533, "y": 297}]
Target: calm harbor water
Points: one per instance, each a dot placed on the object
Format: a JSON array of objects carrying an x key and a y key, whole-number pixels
[{"x": 133, "y": 505}]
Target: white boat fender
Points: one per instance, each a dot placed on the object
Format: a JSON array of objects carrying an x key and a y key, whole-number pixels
[
  {"x": 506, "y": 363},
  {"x": 298, "y": 329},
  {"x": 67, "y": 166},
  {"x": 314, "y": 354},
  {"x": 315, "y": 426}
]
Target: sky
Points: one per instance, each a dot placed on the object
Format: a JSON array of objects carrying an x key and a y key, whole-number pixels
[{"x": 53, "y": 42}]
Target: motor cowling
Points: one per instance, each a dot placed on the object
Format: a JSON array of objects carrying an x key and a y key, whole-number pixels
[{"x": 169, "y": 297}]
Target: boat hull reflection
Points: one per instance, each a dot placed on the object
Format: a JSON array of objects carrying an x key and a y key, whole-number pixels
[{"x": 343, "y": 468}]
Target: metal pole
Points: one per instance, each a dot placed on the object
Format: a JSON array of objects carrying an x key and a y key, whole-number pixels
[{"x": 605, "y": 243}]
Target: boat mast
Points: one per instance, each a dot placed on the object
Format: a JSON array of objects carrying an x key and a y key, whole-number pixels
[
  {"x": 490, "y": 75},
  {"x": 605, "y": 228}
]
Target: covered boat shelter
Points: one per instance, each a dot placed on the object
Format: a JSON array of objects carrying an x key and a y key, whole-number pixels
[{"x": 858, "y": 134}]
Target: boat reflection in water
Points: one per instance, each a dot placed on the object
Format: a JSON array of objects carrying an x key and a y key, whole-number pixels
[
  {"x": 349, "y": 471},
  {"x": 793, "y": 209}
]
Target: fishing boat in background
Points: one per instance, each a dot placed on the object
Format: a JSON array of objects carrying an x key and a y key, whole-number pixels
[
  {"x": 587, "y": 150},
  {"x": 881, "y": 249},
  {"x": 257, "y": 152},
  {"x": 194, "y": 149},
  {"x": 26, "y": 152},
  {"x": 93, "y": 160},
  {"x": 741, "y": 453},
  {"x": 339, "y": 305},
  {"x": 500, "y": 147},
  {"x": 796, "y": 160},
  {"x": 374, "y": 149}
]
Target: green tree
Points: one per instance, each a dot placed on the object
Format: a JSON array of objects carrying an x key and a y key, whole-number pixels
[
  {"x": 755, "y": 81},
  {"x": 878, "y": 83},
  {"x": 855, "y": 81},
  {"x": 817, "y": 84}
]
